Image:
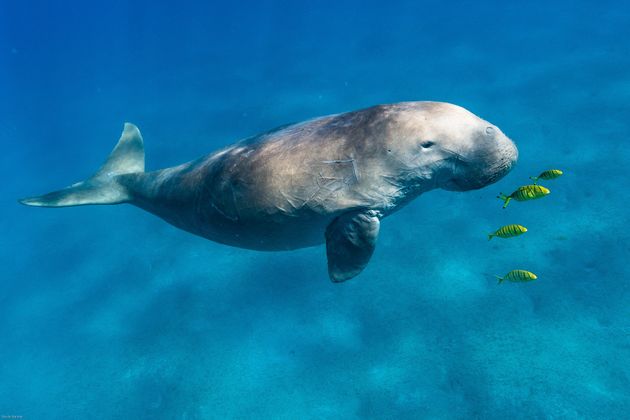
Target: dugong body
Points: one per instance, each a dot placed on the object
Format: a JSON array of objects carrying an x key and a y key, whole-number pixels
[{"x": 330, "y": 179}]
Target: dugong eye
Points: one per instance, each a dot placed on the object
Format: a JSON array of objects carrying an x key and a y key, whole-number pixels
[
  {"x": 489, "y": 130},
  {"x": 426, "y": 144}
]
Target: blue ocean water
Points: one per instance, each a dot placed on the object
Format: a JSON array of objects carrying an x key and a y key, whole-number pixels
[{"x": 108, "y": 312}]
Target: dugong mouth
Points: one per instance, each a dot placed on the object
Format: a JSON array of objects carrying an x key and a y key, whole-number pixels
[{"x": 476, "y": 173}]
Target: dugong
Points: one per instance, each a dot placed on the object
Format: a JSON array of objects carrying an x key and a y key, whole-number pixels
[{"x": 330, "y": 179}]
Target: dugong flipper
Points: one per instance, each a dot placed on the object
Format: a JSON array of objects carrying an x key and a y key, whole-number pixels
[
  {"x": 350, "y": 242},
  {"x": 330, "y": 179}
]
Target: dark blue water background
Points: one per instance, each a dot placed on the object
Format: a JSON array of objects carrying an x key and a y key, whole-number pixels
[{"x": 108, "y": 312}]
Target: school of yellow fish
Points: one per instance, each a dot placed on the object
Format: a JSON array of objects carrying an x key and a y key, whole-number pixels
[{"x": 524, "y": 193}]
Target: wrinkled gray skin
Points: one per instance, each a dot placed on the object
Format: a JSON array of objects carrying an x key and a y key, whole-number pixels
[
  {"x": 331, "y": 178},
  {"x": 280, "y": 190}
]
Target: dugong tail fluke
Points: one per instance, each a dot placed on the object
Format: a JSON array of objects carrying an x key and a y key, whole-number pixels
[{"x": 102, "y": 187}]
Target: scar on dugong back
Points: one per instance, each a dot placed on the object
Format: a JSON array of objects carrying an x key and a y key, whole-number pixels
[{"x": 330, "y": 179}]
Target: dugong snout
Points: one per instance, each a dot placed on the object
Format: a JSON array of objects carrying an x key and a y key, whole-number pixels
[{"x": 486, "y": 164}]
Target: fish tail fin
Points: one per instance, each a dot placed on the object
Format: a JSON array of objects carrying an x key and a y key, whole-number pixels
[
  {"x": 102, "y": 187},
  {"x": 499, "y": 278},
  {"x": 535, "y": 179},
  {"x": 490, "y": 236},
  {"x": 505, "y": 198}
]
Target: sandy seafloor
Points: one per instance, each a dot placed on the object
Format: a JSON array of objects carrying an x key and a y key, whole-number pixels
[{"x": 108, "y": 312}]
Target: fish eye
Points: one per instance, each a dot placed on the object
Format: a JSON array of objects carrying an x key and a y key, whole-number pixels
[
  {"x": 489, "y": 130},
  {"x": 426, "y": 144}
]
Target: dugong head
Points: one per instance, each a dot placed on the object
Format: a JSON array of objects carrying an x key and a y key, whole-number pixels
[{"x": 452, "y": 147}]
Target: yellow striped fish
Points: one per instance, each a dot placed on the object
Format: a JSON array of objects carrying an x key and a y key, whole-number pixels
[
  {"x": 508, "y": 231},
  {"x": 518, "y": 276},
  {"x": 547, "y": 175},
  {"x": 524, "y": 193}
]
